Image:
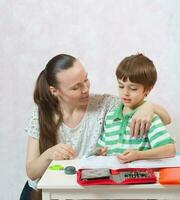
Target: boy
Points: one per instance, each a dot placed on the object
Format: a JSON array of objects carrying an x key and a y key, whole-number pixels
[{"x": 136, "y": 77}]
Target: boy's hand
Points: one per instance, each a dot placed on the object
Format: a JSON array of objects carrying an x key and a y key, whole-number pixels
[
  {"x": 102, "y": 151},
  {"x": 128, "y": 156},
  {"x": 99, "y": 151}
]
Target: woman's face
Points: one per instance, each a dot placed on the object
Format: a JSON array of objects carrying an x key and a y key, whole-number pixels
[{"x": 73, "y": 86}]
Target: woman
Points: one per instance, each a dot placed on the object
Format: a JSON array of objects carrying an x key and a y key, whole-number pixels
[{"x": 67, "y": 120}]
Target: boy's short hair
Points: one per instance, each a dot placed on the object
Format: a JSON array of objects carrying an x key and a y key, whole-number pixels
[{"x": 138, "y": 69}]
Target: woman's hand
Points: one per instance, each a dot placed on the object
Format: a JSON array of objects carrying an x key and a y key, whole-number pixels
[
  {"x": 61, "y": 152},
  {"x": 141, "y": 120},
  {"x": 36, "y": 163},
  {"x": 128, "y": 156}
]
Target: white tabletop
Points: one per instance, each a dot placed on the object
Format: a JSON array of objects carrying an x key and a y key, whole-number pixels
[
  {"x": 57, "y": 183},
  {"x": 56, "y": 179}
]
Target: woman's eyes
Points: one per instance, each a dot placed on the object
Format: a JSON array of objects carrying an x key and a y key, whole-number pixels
[{"x": 75, "y": 88}]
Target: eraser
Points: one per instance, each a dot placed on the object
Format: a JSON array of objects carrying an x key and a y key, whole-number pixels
[{"x": 69, "y": 170}]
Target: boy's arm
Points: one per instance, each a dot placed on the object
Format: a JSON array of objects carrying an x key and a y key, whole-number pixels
[
  {"x": 101, "y": 141},
  {"x": 165, "y": 151},
  {"x": 162, "y": 145},
  {"x": 101, "y": 149}
]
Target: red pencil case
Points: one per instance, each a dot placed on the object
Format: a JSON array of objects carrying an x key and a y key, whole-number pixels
[{"x": 106, "y": 176}]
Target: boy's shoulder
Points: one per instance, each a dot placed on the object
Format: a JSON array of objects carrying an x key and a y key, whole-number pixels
[{"x": 115, "y": 112}]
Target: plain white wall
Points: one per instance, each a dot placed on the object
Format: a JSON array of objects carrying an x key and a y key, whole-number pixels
[{"x": 100, "y": 33}]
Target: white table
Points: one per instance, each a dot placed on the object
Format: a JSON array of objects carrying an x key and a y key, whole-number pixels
[{"x": 56, "y": 185}]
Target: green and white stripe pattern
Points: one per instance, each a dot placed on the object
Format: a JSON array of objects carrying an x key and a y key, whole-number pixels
[{"x": 116, "y": 136}]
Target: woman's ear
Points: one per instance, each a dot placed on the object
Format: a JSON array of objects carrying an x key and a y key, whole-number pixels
[{"x": 53, "y": 91}]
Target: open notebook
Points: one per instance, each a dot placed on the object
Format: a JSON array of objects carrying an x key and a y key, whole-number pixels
[{"x": 111, "y": 162}]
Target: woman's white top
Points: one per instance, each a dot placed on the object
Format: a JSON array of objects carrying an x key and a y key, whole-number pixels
[{"x": 84, "y": 136}]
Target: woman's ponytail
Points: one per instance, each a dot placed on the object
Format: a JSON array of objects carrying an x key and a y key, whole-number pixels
[
  {"x": 50, "y": 116},
  {"x": 48, "y": 107}
]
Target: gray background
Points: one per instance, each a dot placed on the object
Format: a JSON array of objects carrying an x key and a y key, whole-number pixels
[{"x": 100, "y": 33}]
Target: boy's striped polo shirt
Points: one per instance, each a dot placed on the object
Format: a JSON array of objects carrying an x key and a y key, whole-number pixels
[{"x": 116, "y": 135}]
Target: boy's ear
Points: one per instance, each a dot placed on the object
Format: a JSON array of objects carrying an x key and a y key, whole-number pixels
[
  {"x": 53, "y": 91},
  {"x": 147, "y": 91}
]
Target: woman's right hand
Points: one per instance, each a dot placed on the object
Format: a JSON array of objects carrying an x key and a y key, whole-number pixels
[
  {"x": 61, "y": 152},
  {"x": 36, "y": 163}
]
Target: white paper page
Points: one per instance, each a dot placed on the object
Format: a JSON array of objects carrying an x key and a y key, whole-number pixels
[
  {"x": 111, "y": 162},
  {"x": 157, "y": 163},
  {"x": 95, "y": 162}
]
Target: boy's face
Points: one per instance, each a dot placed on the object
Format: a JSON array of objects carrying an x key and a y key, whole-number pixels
[{"x": 131, "y": 94}]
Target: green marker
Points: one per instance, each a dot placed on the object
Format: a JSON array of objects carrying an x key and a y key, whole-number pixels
[{"x": 56, "y": 167}]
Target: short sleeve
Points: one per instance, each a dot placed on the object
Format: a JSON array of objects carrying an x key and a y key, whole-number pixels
[
  {"x": 111, "y": 102},
  {"x": 32, "y": 126},
  {"x": 158, "y": 134}
]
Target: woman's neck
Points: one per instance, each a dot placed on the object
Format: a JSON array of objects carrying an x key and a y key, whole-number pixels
[{"x": 73, "y": 115}]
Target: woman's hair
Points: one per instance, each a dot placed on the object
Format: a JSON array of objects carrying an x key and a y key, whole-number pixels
[
  {"x": 138, "y": 69},
  {"x": 50, "y": 116}
]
